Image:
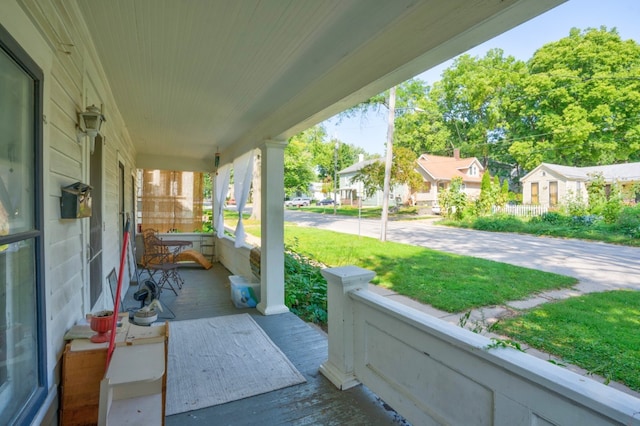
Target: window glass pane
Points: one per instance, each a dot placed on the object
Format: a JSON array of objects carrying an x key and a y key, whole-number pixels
[
  {"x": 16, "y": 148},
  {"x": 18, "y": 345},
  {"x": 22, "y": 382}
]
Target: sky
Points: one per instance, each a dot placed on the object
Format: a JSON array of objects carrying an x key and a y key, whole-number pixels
[{"x": 370, "y": 132}]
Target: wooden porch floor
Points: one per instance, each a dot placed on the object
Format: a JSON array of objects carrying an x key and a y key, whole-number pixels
[{"x": 316, "y": 402}]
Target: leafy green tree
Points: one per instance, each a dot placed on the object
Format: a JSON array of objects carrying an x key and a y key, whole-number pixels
[
  {"x": 310, "y": 157},
  {"x": 409, "y": 96},
  {"x": 473, "y": 97},
  {"x": 347, "y": 156},
  {"x": 487, "y": 195},
  {"x": 503, "y": 198},
  {"x": 422, "y": 129},
  {"x": 403, "y": 171},
  {"x": 580, "y": 102},
  {"x": 371, "y": 176},
  {"x": 298, "y": 171}
]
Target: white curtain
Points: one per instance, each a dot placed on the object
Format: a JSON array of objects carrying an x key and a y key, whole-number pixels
[
  {"x": 242, "y": 174},
  {"x": 222, "y": 186}
]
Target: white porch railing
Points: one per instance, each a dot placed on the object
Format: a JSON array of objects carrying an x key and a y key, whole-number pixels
[
  {"x": 432, "y": 372},
  {"x": 526, "y": 210},
  {"x": 234, "y": 259}
]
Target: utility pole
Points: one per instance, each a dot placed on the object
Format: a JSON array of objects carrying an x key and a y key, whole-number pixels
[
  {"x": 387, "y": 165},
  {"x": 335, "y": 177}
]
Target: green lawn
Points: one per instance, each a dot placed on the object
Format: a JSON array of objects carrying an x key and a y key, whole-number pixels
[
  {"x": 446, "y": 281},
  {"x": 405, "y": 213},
  {"x": 366, "y": 212},
  {"x": 598, "y": 332}
]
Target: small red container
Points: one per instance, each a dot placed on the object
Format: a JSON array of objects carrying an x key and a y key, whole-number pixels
[{"x": 101, "y": 324}]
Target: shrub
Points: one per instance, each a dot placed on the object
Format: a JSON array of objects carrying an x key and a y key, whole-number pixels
[
  {"x": 453, "y": 200},
  {"x": 499, "y": 223},
  {"x": 305, "y": 287},
  {"x": 585, "y": 220},
  {"x": 553, "y": 218},
  {"x": 629, "y": 221},
  {"x": 574, "y": 205},
  {"x": 614, "y": 205}
]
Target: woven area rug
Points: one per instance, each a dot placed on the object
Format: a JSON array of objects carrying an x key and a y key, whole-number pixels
[{"x": 217, "y": 360}]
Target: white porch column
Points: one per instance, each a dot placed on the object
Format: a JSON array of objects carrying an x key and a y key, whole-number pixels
[
  {"x": 272, "y": 228},
  {"x": 340, "y": 281}
]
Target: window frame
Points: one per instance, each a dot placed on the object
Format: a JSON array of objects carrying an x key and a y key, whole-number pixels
[
  {"x": 553, "y": 193},
  {"x": 13, "y": 49},
  {"x": 536, "y": 193}
]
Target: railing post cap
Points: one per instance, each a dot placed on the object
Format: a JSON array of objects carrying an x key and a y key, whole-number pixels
[{"x": 348, "y": 275}]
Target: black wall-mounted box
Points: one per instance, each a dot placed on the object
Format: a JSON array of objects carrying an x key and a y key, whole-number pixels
[{"x": 75, "y": 201}]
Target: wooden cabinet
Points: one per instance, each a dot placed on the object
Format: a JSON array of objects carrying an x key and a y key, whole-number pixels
[{"x": 82, "y": 372}]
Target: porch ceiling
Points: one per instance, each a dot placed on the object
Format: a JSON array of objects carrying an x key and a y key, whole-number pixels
[{"x": 194, "y": 77}]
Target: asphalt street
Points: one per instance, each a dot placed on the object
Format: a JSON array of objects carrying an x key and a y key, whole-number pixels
[{"x": 598, "y": 266}]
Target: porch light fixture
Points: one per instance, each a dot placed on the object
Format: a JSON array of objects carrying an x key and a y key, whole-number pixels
[{"x": 89, "y": 123}]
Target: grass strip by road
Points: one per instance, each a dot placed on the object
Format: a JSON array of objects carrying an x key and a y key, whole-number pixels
[
  {"x": 404, "y": 213},
  {"x": 365, "y": 213},
  {"x": 449, "y": 282},
  {"x": 597, "y": 332},
  {"x": 562, "y": 228}
]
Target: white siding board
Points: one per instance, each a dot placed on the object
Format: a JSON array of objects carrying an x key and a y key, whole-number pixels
[
  {"x": 66, "y": 107},
  {"x": 56, "y": 182},
  {"x": 63, "y": 250},
  {"x": 63, "y": 139},
  {"x": 63, "y": 272},
  {"x": 68, "y": 74},
  {"x": 67, "y": 292},
  {"x": 65, "y": 166}
]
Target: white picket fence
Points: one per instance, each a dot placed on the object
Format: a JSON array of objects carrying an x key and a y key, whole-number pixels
[{"x": 526, "y": 210}]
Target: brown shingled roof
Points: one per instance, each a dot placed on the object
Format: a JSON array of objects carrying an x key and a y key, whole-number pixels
[{"x": 446, "y": 168}]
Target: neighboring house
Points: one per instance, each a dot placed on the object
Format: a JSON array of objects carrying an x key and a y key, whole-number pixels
[
  {"x": 550, "y": 184},
  {"x": 349, "y": 190},
  {"x": 437, "y": 172}
]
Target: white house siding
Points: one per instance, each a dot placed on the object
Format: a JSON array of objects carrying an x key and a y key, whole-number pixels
[
  {"x": 472, "y": 190},
  {"x": 346, "y": 186},
  {"x": 575, "y": 189},
  {"x": 72, "y": 81},
  {"x": 543, "y": 177}
]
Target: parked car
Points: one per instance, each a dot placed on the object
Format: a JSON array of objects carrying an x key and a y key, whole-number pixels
[
  {"x": 298, "y": 201},
  {"x": 435, "y": 209},
  {"x": 326, "y": 202}
]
